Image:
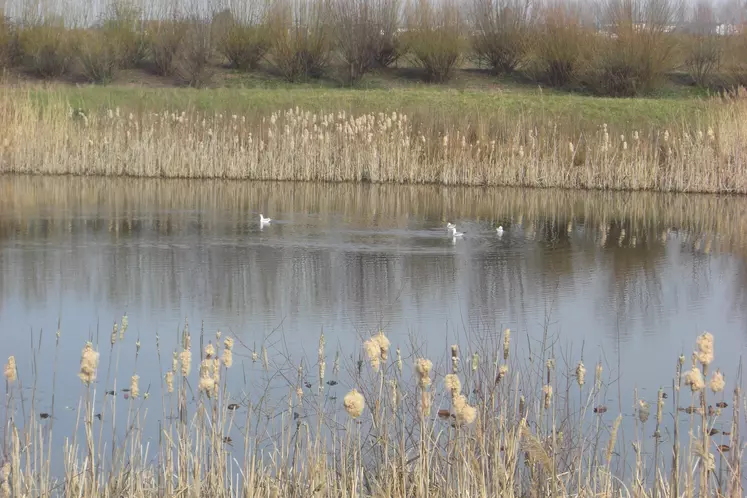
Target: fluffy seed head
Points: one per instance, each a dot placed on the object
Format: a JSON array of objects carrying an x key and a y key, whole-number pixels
[
  {"x": 423, "y": 367},
  {"x": 580, "y": 373},
  {"x": 185, "y": 357},
  {"x": 209, "y": 351},
  {"x": 207, "y": 383},
  {"x": 10, "y": 371},
  {"x": 170, "y": 381},
  {"x": 453, "y": 384},
  {"x": 704, "y": 344},
  {"x": 717, "y": 383},
  {"x": 228, "y": 343},
  {"x": 228, "y": 357},
  {"x": 354, "y": 403},
  {"x": 464, "y": 413},
  {"x": 135, "y": 386},
  {"x": 373, "y": 353},
  {"x": 694, "y": 379},
  {"x": 547, "y": 391},
  {"x": 643, "y": 411},
  {"x": 384, "y": 344},
  {"x": 89, "y": 362}
]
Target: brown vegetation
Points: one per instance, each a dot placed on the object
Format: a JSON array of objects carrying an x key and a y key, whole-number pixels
[
  {"x": 621, "y": 48},
  {"x": 481, "y": 422}
]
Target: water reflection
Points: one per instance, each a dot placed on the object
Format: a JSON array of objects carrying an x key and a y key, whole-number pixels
[{"x": 603, "y": 267}]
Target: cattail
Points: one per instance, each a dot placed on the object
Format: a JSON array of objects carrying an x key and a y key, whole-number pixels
[
  {"x": 643, "y": 411},
  {"x": 694, "y": 379},
  {"x": 704, "y": 344},
  {"x": 453, "y": 384},
  {"x": 373, "y": 353},
  {"x": 522, "y": 405},
  {"x": 135, "y": 386},
  {"x": 209, "y": 351},
  {"x": 550, "y": 368},
  {"x": 506, "y": 343},
  {"x": 454, "y": 358},
  {"x": 89, "y": 362},
  {"x": 5, "y": 480},
  {"x": 354, "y": 403},
  {"x": 580, "y": 374},
  {"x": 613, "y": 438},
  {"x": 185, "y": 357},
  {"x": 228, "y": 352},
  {"x": 170, "y": 381},
  {"x": 113, "y": 339},
  {"x": 659, "y": 406},
  {"x": 547, "y": 391},
  {"x": 426, "y": 401},
  {"x": 399, "y": 361},
  {"x": 299, "y": 394},
  {"x": 423, "y": 368},
  {"x": 207, "y": 384},
  {"x": 717, "y": 383},
  {"x": 598, "y": 376},
  {"x": 265, "y": 359},
  {"x": 394, "y": 393},
  {"x": 464, "y": 413},
  {"x": 255, "y": 356},
  {"x": 10, "y": 371},
  {"x": 336, "y": 364},
  {"x": 502, "y": 371},
  {"x": 384, "y": 344},
  {"x": 475, "y": 362},
  {"x": 175, "y": 362}
]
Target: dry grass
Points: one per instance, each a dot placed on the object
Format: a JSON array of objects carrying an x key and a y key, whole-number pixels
[
  {"x": 479, "y": 422},
  {"x": 305, "y": 146}
]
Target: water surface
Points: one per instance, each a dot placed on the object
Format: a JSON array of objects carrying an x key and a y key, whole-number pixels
[{"x": 628, "y": 278}]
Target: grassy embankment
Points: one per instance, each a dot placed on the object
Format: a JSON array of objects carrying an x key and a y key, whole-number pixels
[{"x": 480, "y": 423}]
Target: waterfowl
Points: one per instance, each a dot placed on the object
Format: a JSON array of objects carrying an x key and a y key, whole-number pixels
[{"x": 263, "y": 220}]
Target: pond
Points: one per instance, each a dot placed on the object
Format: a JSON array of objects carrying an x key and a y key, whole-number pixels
[{"x": 629, "y": 279}]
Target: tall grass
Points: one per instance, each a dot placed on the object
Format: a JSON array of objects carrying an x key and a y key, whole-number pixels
[
  {"x": 482, "y": 420},
  {"x": 300, "y": 145}
]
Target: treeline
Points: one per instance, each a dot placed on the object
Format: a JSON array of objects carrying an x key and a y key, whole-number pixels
[{"x": 615, "y": 48}]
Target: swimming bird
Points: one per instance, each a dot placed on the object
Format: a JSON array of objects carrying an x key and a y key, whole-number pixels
[
  {"x": 499, "y": 230},
  {"x": 450, "y": 226},
  {"x": 454, "y": 232},
  {"x": 263, "y": 220}
]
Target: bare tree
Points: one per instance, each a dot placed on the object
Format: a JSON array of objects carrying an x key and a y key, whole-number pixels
[
  {"x": 704, "y": 46},
  {"x": 503, "y": 32}
]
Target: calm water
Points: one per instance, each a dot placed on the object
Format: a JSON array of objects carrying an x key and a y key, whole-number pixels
[{"x": 625, "y": 277}]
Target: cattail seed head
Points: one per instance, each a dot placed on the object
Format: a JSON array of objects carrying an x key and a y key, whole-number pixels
[
  {"x": 207, "y": 384},
  {"x": 580, "y": 374},
  {"x": 209, "y": 351},
  {"x": 228, "y": 343},
  {"x": 643, "y": 411},
  {"x": 228, "y": 357},
  {"x": 255, "y": 356},
  {"x": 453, "y": 384},
  {"x": 373, "y": 353},
  {"x": 659, "y": 406},
  {"x": 454, "y": 358},
  {"x": 354, "y": 403},
  {"x": 694, "y": 379},
  {"x": 704, "y": 345},
  {"x": 170, "y": 381},
  {"x": 135, "y": 386},
  {"x": 175, "y": 362},
  {"x": 423, "y": 367},
  {"x": 547, "y": 391},
  {"x": 399, "y": 361},
  {"x": 384, "y": 345},
  {"x": 506, "y": 343},
  {"x": 265, "y": 359},
  {"x": 89, "y": 362},
  {"x": 185, "y": 357},
  {"x": 10, "y": 371},
  {"x": 598, "y": 376},
  {"x": 717, "y": 383}
]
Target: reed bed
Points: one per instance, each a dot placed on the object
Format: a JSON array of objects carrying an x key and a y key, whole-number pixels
[
  {"x": 298, "y": 145},
  {"x": 479, "y": 421}
]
